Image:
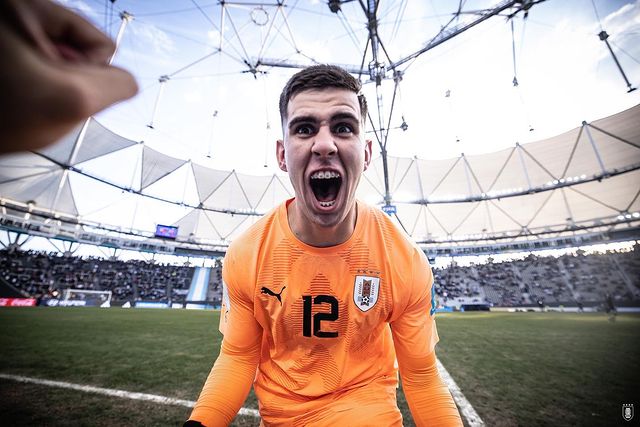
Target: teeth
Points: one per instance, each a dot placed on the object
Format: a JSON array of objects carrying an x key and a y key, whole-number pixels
[
  {"x": 325, "y": 175},
  {"x": 327, "y": 204}
]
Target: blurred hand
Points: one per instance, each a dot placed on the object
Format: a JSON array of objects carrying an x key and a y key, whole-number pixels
[{"x": 54, "y": 73}]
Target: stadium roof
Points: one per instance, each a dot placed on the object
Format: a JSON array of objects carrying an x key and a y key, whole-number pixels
[{"x": 581, "y": 181}]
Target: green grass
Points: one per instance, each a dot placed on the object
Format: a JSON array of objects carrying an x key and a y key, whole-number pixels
[
  {"x": 524, "y": 369},
  {"x": 535, "y": 369}
]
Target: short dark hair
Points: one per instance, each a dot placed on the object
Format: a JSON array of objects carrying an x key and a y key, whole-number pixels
[{"x": 321, "y": 77}]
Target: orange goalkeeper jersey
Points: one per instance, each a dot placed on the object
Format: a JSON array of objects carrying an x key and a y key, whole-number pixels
[{"x": 328, "y": 317}]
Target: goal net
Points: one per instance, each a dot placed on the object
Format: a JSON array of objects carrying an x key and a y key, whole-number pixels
[{"x": 83, "y": 297}]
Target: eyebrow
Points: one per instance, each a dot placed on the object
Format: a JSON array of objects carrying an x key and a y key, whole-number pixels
[
  {"x": 312, "y": 119},
  {"x": 301, "y": 119}
]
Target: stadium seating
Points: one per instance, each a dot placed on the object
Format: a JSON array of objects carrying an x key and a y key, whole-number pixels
[
  {"x": 42, "y": 274},
  {"x": 547, "y": 281},
  {"x": 531, "y": 281}
]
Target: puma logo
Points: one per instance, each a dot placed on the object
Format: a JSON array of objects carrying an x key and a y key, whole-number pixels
[{"x": 268, "y": 291}]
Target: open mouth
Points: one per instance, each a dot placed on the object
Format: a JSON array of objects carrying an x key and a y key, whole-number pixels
[{"x": 325, "y": 186}]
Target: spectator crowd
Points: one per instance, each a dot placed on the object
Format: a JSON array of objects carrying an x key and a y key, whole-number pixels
[
  {"x": 566, "y": 280},
  {"x": 41, "y": 274},
  {"x": 543, "y": 281}
]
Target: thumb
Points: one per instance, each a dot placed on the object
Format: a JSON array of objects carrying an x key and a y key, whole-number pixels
[{"x": 101, "y": 86}]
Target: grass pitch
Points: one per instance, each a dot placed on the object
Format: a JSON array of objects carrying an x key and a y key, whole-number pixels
[{"x": 526, "y": 369}]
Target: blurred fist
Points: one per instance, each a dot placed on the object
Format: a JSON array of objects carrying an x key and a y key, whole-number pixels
[{"x": 55, "y": 73}]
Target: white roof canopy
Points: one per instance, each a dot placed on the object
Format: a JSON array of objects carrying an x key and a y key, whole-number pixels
[{"x": 579, "y": 181}]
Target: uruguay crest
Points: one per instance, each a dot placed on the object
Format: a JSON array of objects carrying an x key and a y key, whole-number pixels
[
  {"x": 627, "y": 411},
  {"x": 365, "y": 292}
]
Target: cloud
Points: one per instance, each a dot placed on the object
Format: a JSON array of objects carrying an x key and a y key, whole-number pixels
[
  {"x": 150, "y": 35},
  {"x": 566, "y": 75},
  {"x": 213, "y": 36},
  {"x": 622, "y": 27},
  {"x": 155, "y": 40},
  {"x": 627, "y": 18},
  {"x": 80, "y": 7}
]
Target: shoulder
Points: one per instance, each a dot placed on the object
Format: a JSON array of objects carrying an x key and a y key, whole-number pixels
[
  {"x": 407, "y": 264},
  {"x": 244, "y": 251},
  {"x": 249, "y": 241},
  {"x": 398, "y": 245}
]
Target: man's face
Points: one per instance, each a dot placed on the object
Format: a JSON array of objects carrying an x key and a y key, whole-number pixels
[{"x": 324, "y": 152}]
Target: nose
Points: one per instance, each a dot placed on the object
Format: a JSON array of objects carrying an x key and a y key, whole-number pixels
[{"x": 324, "y": 144}]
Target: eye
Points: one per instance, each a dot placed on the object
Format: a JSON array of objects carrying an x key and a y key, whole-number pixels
[
  {"x": 304, "y": 129},
  {"x": 343, "y": 128}
]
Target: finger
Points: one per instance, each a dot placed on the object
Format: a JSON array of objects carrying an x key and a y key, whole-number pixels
[
  {"x": 43, "y": 99},
  {"x": 25, "y": 20},
  {"x": 96, "y": 47},
  {"x": 118, "y": 85},
  {"x": 69, "y": 53},
  {"x": 62, "y": 98},
  {"x": 70, "y": 29},
  {"x": 98, "y": 87},
  {"x": 48, "y": 26}
]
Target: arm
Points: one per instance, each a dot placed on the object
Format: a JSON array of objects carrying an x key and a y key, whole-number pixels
[
  {"x": 415, "y": 337},
  {"x": 429, "y": 398},
  {"x": 57, "y": 73},
  {"x": 227, "y": 386},
  {"x": 234, "y": 371}
]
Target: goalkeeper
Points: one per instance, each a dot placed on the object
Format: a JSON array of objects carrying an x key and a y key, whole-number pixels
[{"x": 324, "y": 293}]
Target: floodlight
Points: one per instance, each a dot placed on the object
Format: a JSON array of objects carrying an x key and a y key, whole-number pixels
[{"x": 404, "y": 126}]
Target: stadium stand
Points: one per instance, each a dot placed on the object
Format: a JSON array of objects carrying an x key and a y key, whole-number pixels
[
  {"x": 456, "y": 284},
  {"x": 543, "y": 280},
  {"x": 214, "y": 293},
  {"x": 548, "y": 281},
  {"x": 532, "y": 281},
  {"x": 41, "y": 274},
  {"x": 629, "y": 264}
]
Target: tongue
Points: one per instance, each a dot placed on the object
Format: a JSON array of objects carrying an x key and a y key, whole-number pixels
[{"x": 326, "y": 191}]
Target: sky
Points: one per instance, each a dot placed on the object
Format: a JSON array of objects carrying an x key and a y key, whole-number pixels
[{"x": 456, "y": 98}]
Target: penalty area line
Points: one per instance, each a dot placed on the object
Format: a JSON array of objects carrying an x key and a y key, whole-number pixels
[
  {"x": 163, "y": 400},
  {"x": 467, "y": 411}
]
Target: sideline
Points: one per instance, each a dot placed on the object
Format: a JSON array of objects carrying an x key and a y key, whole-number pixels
[
  {"x": 117, "y": 393},
  {"x": 466, "y": 410}
]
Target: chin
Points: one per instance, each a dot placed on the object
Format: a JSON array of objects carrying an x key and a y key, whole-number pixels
[{"x": 327, "y": 220}]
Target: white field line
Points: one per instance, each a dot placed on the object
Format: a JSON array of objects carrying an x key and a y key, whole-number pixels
[
  {"x": 473, "y": 420},
  {"x": 467, "y": 411},
  {"x": 117, "y": 393}
]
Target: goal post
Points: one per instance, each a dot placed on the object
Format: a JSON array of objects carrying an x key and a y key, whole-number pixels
[{"x": 85, "y": 297}]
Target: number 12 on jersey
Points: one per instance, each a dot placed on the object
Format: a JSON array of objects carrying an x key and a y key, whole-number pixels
[{"x": 308, "y": 302}]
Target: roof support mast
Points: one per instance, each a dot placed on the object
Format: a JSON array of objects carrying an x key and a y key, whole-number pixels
[
  {"x": 377, "y": 73},
  {"x": 604, "y": 37},
  {"x": 378, "y": 69},
  {"x": 449, "y": 33}
]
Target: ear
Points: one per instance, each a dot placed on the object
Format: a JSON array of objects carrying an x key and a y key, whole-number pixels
[
  {"x": 282, "y": 163},
  {"x": 367, "y": 154}
]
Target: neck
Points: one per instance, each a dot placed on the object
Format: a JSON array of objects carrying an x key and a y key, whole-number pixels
[{"x": 320, "y": 236}]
